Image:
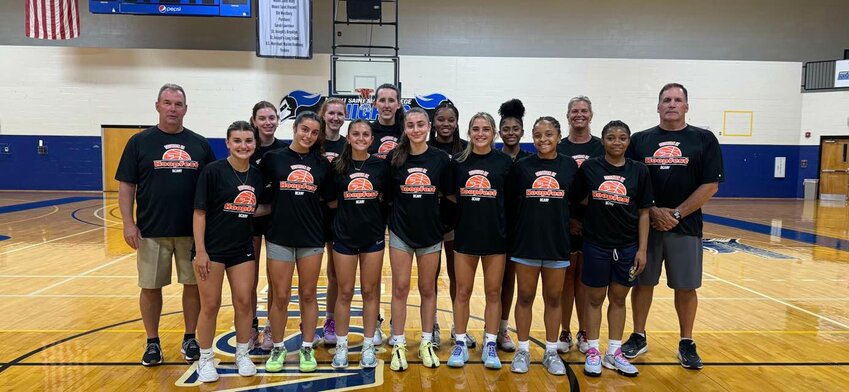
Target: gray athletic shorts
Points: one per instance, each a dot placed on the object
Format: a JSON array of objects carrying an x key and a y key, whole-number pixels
[
  {"x": 288, "y": 253},
  {"x": 682, "y": 255},
  {"x": 397, "y": 243}
]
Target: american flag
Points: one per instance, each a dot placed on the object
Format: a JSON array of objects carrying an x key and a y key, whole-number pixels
[{"x": 52, "y": 19}]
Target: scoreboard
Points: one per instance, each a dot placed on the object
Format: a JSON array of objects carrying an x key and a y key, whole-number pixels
[{"x": 230, "y": 8}]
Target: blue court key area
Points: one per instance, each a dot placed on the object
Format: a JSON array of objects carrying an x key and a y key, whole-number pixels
[{"x": 45, "y": 203}]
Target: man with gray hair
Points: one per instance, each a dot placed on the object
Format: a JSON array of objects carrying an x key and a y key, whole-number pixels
[{"x": 159, "y": 169}]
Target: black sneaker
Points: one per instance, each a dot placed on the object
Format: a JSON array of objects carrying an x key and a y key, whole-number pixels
[
  {"x": 688, "y": 356},
  {"x": 634, "y": 346},
  {"x": 152, "y": 355},
  {"x": 190, "y": 350}
]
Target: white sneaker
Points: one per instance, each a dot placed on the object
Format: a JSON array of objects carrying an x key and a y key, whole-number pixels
[
  {"x": 244, "y": 364},
  {"x": 340, "y": 358},
  {"x": 378, "y": 333},
  {"x": 206, "y": 368}
]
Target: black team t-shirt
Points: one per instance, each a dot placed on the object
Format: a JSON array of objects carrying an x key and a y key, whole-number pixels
[
  {"x": 615, "y": 195},
  {"x": 296, "y": 185},
  {"x": 165, "y": 168},
  {"x": 580, "y": 152},
  {"x": 386, "y": 137},
  {"x": 260, "y": 224},
  {"x": 679, "y": 162},
  {"x": 261, "y": 150},
  {"x": 521, "y": 154},
  {"x": 479, "y": 185},
  {"x": 448, "y": 147},
  {"x": 540, "y": 191},
  {"x": 332, "y": 149},
  {"x": 360, "y": 220},
  {"x": 415, "y": 186},
  {"x": 229, "y": 199}
]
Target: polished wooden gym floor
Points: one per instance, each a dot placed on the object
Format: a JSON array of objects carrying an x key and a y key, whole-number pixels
[{"x": 773, "y": 315}]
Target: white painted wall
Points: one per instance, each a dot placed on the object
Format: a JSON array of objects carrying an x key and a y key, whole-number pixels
[
  {"x": 73, "y": 91},
  {"x": 824, "y": 114}
]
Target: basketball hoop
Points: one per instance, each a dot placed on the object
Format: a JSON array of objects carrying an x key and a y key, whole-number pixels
[{"x": 365, "y": 93}]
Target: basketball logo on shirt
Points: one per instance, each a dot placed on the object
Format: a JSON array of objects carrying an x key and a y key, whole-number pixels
[
  {"x": 612, "y": 191},
  {"x": 360, "y": 188},
  {"x": 387, "y": 144},
  {"x": 175, "y": 158},
  {"x": 330, "y": 155},
  {"x": 478, "y": 186},
  {"x": 668, "y": 154},
  {"x": 579, "y": 159},
  {"x": 245, "y": 202},
  {"x": 417, "y": 183},
  {"x": 299, "y": 180},
  {"x": 545, "y": 186}
]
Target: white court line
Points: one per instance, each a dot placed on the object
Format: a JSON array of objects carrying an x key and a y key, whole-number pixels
[
  {"x": 789, "y": 305},
  {"x": 103, "y": 218},
  {"x": 55, "y": 210},
  {"x": 39, "y": 291},
  {"x": 49, "y": 241}
]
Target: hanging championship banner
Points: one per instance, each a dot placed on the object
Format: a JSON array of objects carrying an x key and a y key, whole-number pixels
[
  {"x": 841, "y": 73},
  {"x": 284, "y": 29}
]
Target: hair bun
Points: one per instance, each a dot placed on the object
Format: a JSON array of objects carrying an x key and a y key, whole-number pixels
[{"x": 512, "y": 108}]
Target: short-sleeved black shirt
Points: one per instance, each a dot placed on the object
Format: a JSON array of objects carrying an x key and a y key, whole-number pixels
[
  {"x": 295, "y": 186},
  {"x": 229, "y": 199},
  {"x": 415, "y": 201},
  {"x": 262, "y": 223},
  {"x": 581, "y": 151},
  {"x": 615, "y": 196},
  {"x": 261, "y": 150},
  {"x": 521, "y": 154},
  {"x": 165, "y": 168},
  {"x": 360, "y": 220},
  {"x": 447, "y": 147},
  {"x": 541, "y": 190},
  {"x": 385, "y": 138},
  {"x": 679, "y": 162},
  {"x": 479, "y": 185},
  {"x": 332, "y": 149}
]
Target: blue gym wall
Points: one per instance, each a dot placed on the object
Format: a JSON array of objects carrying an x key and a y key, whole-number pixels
[{"x": 75, "y": 163}]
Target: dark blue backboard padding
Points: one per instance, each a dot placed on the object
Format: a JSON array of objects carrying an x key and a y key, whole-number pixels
[{"x": 71, "y": 163}]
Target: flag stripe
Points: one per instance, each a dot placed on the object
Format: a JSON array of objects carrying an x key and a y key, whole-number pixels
[{"x": 52, "y": 19}]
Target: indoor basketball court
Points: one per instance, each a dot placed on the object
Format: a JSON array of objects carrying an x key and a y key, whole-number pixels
[{"x": 773, "y": 310}]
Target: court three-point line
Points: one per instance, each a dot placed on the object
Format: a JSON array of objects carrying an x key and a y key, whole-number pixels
[
  {"x": 785, "y": 303},
  {"x": 95, "y": 269}
]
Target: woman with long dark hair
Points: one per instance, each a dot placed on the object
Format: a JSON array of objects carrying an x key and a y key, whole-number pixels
[
  {"x": 225, "y": 200},
  {"x": 297, "y": 180},
  {"x": 361, "y": 181},
  {"x": 419, "y": 174},
  {"x": 265, "y": 121}
]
